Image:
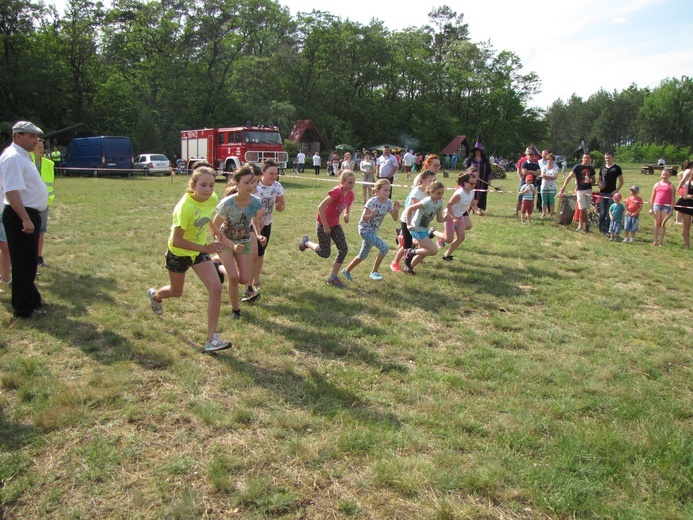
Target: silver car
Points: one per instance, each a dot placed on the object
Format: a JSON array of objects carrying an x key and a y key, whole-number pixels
[{"x": 153, "y": 163}]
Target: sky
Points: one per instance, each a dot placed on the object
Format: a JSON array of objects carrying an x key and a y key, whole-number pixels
[{"x": 576, "y": 47}]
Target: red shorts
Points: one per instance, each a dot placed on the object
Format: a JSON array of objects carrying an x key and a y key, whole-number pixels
[{"x": 527, "y": 206}]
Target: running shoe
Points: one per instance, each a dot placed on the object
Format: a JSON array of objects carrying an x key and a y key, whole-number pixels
[
  {"x": 250, "y": 296},
  {"x": 216, "y": 343},
  {"x": 409, "y": 270},
  {"x": 156, "y": 306},
  {"x": 394, "y": 266},
  {"x": 431, "y": 232},
  {"x": 376, "y": 276},
  {"x": 448, "y": 258},
  {"x": 347, "y": 275},
  {"x": 408, "y": 256},
  {"x": 302, "y": 244},
  {"x": 441, "y": 243},
  {"x": 336, "y": 282}
]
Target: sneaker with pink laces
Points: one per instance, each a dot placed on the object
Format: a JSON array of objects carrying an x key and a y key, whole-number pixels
[{"x": 394, "y": 266}]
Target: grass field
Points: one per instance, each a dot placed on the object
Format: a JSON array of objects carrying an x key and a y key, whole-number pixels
[{"x": 541, "y": 374}]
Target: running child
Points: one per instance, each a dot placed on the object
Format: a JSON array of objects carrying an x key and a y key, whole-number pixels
[
  {"x": 338, "y": 200},
  {"x": 271, "y": 193},
  {"x": 187, "y": 248},
  {"x": 235, "y": 214},
  {"x": 633, "y": 207},
  {"x": 419, "y": 216},
  {"x": 417, "y": 194},
  {"x": 527, "y": 192},
  {"x": 371, "y": 220},
  {"x": 616, "y": 211},
  {"x": 661, "y": 202},
  {"x": 457, "y": 219}
]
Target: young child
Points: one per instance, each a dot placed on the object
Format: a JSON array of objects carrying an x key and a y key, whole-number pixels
[
  {"x": 371, "y": 220},
  {"x": 418, "y": 217},
  {"x": 527, "y": 192},
  {"x": 633, "y": 208},
  {"x": 187, "y": 248},
  {"x": 661, "y": 202},
  {"x": 338, "y": 200},
  {"x": 616, "y": 211},
  {"x": 235, "y": 213},
  {"x": 417, "y": 194},
  {"x": 271, "y": 194},
  {"x": 457, "y": 219}
]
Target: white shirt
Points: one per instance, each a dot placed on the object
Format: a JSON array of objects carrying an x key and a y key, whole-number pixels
[
  {"x": 388, "y": 166},
  {"x": 19, "y": 174},
  {"x": 316, "y": 160},
  {"x": 301, "y": 158},
  {"x": 408, "y": 159}
]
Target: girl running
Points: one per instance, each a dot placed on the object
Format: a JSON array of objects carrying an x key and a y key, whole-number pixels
[
  {"x": 235, "y": 213},
  {"x": 338, "y": 200},
  {"x": 371, "y": 220},
  {"x": 457, "y": 219},
  {"x": 418, "y": 217},
  {"x": 271, "y": 194},
  {"x": 187, "y": 248}
]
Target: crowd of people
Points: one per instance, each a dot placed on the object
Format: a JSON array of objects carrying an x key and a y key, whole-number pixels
[{"x": 241, "y": 221}]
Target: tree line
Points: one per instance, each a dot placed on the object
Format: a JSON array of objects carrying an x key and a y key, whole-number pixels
[{"x": 148, "y": 69}]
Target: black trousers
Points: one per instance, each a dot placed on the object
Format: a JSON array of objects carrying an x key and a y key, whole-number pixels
[{"x": 24, "y": 259}]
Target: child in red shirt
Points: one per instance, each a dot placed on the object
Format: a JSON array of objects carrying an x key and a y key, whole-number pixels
[{"x": 633, "y": 207}]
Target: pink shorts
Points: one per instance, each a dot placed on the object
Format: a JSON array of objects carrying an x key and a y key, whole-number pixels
[
  {"x": 527, "y": 206},
  {"x": 453, "y": 226}
]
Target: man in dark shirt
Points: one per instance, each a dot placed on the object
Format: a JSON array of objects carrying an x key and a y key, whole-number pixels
[
  {"x": 584, "y": 179},
  {"x": 609, "y": 176}
]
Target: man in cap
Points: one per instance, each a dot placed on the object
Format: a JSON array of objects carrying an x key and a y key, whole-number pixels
[{"x": 26, "y": 196}]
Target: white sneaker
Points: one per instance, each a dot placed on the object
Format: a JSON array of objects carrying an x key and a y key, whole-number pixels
[
  {"x": 625, "y": 240},
  {"x": 157, "y": 308},
  {"x": 632, "y": 239},
  {"x": 216, "y": 343}
]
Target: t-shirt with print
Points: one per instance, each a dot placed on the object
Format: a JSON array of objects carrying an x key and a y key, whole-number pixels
[
  {"x": 192, "y": 217},
  {"x": 609, "y": 176},
  {"x": 415, "y": 193},
  {"x": 339, "y": 203},
  {"x": 236, "y": 225},
  {"x": 380, "y": 209},
  {"x": 425, "y": 215},
  {"x": 584, "y": 176},
  {"x": 549, "y": 185},
  {"x": 268, "y": 195}
]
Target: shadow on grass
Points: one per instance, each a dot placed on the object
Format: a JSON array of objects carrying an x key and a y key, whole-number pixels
[
  {"x": 14, "y": 436},
  {"x": 71, "y": 323},
  {"x": 329, "y": 326},
  {"x": 313, "y": 392}
]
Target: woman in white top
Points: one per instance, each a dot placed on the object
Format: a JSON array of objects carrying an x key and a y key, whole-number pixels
[
  {"x": 549, "y": 174},
  {"x": 367, "y": 168}
]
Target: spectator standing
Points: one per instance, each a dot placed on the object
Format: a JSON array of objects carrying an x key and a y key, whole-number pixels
[
  {"x": 367, "y": 168},
  {"x": 408, "y": 162},
  {"x": 584, "y": 180},
  {"x": 479, "y": 160},
  {"x": 26, "y": 196},
  {"x": 386, "y": 167},
  {"x": 316, "y": 162},
  {"x": 609, "y": 176},
  {"x": 633, "y": 207},
  {"x": 46, "y": 169},
  {"x": 301, "y": 159}
]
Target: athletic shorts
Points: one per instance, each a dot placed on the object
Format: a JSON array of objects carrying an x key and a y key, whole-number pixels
[{"x": 180, "y": 264}]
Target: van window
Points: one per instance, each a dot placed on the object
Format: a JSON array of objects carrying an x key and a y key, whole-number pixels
[
  {"x": 237, "y": 137},
  {"x": 221, "y": 138}
]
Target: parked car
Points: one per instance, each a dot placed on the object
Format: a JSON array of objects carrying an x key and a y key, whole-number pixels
[{"x": 153, "y": 163}]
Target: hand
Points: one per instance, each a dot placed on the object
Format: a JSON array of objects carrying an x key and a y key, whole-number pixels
[
  {"x": 396, "y": 205},
  {"x": 28, "y": 226},
  {"x": 346, "y": 218},
  {"x": 327, "y": 229},
  {"x": 239, "y": 248},
  {"x": 280, "y": 206},
  {"x": 262, "y": 240},
  {"x": 215, "y": 247}
]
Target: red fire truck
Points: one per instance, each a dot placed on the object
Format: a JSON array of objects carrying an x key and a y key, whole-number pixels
[{"x": 230, "y": 148}]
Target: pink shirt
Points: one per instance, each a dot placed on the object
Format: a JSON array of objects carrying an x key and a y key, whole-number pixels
[
  {"x": 662, "y": 194},
  {"x": 339, "y": 203}
]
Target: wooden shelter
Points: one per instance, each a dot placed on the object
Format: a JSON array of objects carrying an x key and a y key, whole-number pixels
[
  {"x": 306, "y": 133},
  {"x": 459, "y": 146}
]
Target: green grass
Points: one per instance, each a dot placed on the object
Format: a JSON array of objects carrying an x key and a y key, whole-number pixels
[{"x": 541, "y": 374}]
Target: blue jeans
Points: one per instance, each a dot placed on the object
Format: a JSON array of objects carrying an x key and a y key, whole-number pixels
[{"x": 604, "y": 204}]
